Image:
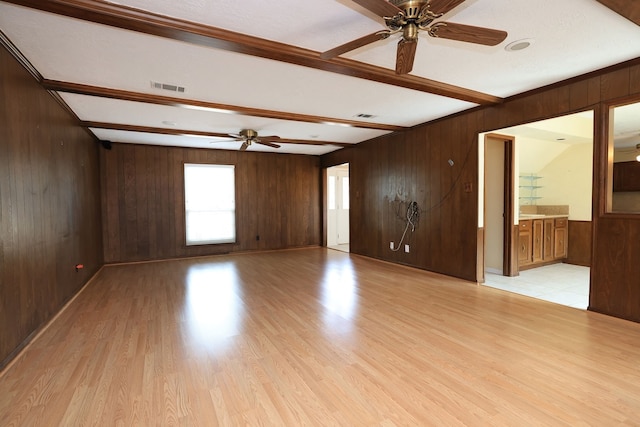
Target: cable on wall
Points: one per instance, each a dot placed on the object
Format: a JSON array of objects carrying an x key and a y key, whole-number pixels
[{"x": 413, "y": 213}]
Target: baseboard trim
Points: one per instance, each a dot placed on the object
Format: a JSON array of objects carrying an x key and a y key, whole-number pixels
[{"x": 15, "y": 355}]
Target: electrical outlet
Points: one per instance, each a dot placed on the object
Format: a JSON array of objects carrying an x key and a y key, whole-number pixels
[
  {"x": 391, "y": 245},
  {"x": 406, "y": 248}
]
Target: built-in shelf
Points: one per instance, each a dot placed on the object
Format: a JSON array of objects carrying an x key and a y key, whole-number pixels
[{"x": 528, "y": 189}]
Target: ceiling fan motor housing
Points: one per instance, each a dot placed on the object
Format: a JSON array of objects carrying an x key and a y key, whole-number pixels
[
  {"x": 411, "y": 8},
  {"x": 249, "y": 134},
  {"x": 414, "y": 15}
]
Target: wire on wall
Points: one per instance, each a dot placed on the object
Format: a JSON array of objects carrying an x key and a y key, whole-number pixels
[{"x": 413, "y": 213}]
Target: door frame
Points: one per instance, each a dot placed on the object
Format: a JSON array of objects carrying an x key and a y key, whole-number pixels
[
  {"x": 510, "y": 230},
  {"x": 325, "y": 201}
]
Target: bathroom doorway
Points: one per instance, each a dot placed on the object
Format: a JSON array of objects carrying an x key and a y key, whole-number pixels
[{"x": 551, "y": 181}]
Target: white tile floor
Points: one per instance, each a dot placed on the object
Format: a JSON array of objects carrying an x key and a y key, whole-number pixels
[{"x": 564, "y": 284}]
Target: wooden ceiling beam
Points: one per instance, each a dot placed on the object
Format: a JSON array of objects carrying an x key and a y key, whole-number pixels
[
  {"x": 184, "y": 132},
  {"x": 124, "y": 95},
  {"x": 176, "y": 29}
]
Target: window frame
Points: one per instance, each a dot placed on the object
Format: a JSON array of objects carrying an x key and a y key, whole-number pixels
[{"x": 186, "y": 211}]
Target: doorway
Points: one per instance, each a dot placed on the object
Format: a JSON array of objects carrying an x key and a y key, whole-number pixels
[
  {"x": 499, "y": 206},
  {"x": 338, "y": 207},
  {"x": 557, "y": 154}
]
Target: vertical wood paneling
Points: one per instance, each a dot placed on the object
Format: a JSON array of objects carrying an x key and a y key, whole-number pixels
[
  {"x": 276, "y": 198},
  {"x": 579, "y": 242},
  {"x": 615, "y": 84},
  {"x": 49, "y": 207},
  {"x": 634, "y": 79},
  {"x": 446, "y": 241}
]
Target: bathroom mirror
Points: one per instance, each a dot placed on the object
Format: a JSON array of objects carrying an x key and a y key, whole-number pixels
[{"x": 623, "y": 185}]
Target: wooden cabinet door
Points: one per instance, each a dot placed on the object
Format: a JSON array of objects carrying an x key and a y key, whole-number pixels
[
  {"x": 560, "y": 246},
  {"x": 547, "y": 246},
  {"x": 524, "y": 243},
  {"x": 626, "y": 176},
  {"x": 538, "y": 231}
]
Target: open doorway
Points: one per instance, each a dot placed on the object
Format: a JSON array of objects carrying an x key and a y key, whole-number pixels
[
  {"x": 538, "y": 243},
  {"x": 338, "y": 207}
]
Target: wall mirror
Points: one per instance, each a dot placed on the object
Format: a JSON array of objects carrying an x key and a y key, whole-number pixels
[{"x": 623, "y": 188}]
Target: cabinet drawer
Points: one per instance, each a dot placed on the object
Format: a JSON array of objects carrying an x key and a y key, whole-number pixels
[
  {"x": 524, "y": 225},
  {"x": 561, "y": 222}
]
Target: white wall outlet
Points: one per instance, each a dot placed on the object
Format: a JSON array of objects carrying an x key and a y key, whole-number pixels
[
  {"x": 406, "y": 248},
  {"x": 391, "y": 245}
]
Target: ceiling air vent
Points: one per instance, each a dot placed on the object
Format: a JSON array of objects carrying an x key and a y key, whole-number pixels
[{"x": 167, "y": 86}]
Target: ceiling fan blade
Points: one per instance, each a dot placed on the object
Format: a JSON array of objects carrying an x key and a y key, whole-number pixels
[
  {"x": 626, "y": 8},
  {"x": 468, "y": 33},
  {"x": 269, "y": 138},
  {"x": 380, "y": 7},
  {"x": 354, "y": 44},
  {"x": 268, "y": 144},
  {"x": 444, "y": 6},
  {"x": 405, "y": 56},
  {"x": 244, "y": 146}
]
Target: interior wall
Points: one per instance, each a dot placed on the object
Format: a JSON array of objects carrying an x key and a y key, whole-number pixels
[
  {"x": 567, "y": 180},
  {"x": 413, "y": 164},
  {"x": 390, "y": 172},
  {"x": 277, "y": 201},
  {"x": 49, "y": 207}
]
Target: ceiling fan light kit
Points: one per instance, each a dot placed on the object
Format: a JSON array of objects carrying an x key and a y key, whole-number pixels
[{"x": 410, "y": 17}]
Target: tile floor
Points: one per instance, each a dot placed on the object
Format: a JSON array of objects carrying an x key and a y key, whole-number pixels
[{"x": 564, "y": 284}]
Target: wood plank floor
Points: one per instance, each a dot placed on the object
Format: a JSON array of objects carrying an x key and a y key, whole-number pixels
[{"x": 318, "y": 337}]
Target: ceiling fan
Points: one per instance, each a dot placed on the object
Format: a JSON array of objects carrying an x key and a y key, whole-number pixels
[
  {"x": 250, "y": 136},
  {"x": 411, "y": 16}
]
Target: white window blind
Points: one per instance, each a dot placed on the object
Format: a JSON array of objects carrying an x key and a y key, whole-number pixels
[{"x": 210, "y": 204}]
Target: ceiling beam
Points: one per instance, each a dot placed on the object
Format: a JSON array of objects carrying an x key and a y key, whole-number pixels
[
  {"x": 176, "y": 29},
  {"x": 184, "y": 132},
  {"x": 124, "y": 95}
]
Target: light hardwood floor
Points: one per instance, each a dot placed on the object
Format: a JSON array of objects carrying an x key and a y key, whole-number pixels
[{"x": 318, "y": 337}]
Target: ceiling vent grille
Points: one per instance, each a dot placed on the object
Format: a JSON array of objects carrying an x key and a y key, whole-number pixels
[{"x": 167, "y": 86}]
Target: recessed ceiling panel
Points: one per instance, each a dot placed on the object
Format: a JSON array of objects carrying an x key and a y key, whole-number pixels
[
  {"x": 91, "y": 108},
  {"x": 71, "y": 50},
  {"x": 203, "y": 142}
]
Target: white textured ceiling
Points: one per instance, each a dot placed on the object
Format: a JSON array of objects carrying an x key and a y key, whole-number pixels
[{"x": 570, "y": 37}]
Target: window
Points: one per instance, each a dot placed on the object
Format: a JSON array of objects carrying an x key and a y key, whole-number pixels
[{"x": 210, "y": 204}]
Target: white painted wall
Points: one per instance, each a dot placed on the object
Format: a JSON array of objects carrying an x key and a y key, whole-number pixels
[
  {"x": 535, "y": 154},
  {"x": 567, "y": 180},
  {"x": 494, "y": 208}
]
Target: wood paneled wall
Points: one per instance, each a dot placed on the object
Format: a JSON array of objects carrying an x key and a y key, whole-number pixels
[
  {"x": 388, "y": 175},
  {"x": 412, "y": 165},
  {"x": 49, "y": 206},
  {"x": 277, "y": 199},
  {"x": 579, "y": 240}
]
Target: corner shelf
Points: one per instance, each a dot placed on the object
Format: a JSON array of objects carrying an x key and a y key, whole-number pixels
[{"x": 530, "y": 185}]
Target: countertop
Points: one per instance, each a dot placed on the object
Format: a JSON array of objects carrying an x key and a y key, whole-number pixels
[{"x": 539, "y": 216}]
